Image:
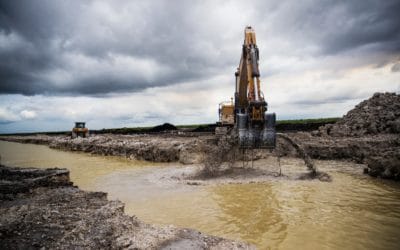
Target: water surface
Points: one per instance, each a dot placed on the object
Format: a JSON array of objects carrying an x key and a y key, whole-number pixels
[{"x": 351, "y": 212}]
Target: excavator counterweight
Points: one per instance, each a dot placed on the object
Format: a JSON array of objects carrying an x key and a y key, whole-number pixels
[{"x": 254, "y": 127}]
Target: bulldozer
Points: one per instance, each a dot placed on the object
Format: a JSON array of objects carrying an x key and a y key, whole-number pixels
[
  {"x": 247, "y": 115},
  {"x": 80, "y": 130}
]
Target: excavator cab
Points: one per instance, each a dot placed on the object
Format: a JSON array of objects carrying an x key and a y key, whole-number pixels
[
  {"x": 80, "y": 130},
  {"x": 79, "y": 125}
]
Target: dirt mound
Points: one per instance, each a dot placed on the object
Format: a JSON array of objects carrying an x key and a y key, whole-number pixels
[
  {"x": 164, "y": 127},
  {"x": 377, "y": 115}
]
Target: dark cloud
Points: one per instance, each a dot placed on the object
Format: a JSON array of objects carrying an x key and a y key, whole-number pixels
[
  {"x": 100, "y": 47},
  {"x": 358, "y": 24}
]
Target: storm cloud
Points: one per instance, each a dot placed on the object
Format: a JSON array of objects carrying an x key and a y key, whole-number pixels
[
  {"x": 142, "y": 63},
  {"x": 103, "y": 47}
]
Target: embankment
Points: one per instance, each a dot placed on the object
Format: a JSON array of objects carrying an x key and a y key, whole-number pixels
[{"x": 156, "y": 148}]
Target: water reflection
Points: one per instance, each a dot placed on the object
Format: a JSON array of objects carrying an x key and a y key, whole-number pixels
[
  {"x": 252, "y": 211},
  {"x": 84, "y": 168}
]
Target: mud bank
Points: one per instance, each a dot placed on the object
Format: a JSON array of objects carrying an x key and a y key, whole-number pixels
[
  {"x": 381, "y": 152},
  {"x": 155, "y": 148},
  {"x": 48, "y": 211}
]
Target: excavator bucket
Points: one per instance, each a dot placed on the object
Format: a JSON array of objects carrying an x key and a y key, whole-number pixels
[
  {"x": 268, "y": 139},
  {"x": 257, "y": 136}
]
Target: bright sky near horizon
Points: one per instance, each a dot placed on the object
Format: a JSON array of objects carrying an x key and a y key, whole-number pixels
[{"x": 138, "y": 63}]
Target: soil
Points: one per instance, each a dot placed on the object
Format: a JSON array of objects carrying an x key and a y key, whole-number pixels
[{"x": 49, "y": 212}]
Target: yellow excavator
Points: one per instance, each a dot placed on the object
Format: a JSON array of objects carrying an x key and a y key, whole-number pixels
[{"x": 247, "y": 114}]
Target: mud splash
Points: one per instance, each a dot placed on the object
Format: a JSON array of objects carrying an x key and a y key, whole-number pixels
[
  {"x": 302, "y": 153},
  {"x": 222, "y": 159}
]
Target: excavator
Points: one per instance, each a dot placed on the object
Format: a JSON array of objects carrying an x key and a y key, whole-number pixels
[{"x": 246, "y": 116}]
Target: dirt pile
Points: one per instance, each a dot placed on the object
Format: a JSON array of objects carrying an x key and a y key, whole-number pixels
[
  {"x": 369, "y": 134},
  {"x": 163, "y": 128},
  {"x": 377, "y": 115},
  {"x": 56, "y": 215},
  {"x": 381, "y": 153}
]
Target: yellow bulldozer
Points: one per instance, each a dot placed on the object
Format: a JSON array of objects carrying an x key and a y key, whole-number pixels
[
  {"x": 80, "y": 130},
  {"x": 247, "y": 116}
]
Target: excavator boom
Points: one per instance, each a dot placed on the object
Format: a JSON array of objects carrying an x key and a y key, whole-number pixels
[{"x": 248, "y": 82}]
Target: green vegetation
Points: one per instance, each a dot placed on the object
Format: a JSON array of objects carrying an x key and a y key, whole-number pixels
[
  {"x": 192, "y": 125},
  {"x": 123, "y": 130},
  {"x": 306, "y": 121},
  {"x": 299, "y": 124}
]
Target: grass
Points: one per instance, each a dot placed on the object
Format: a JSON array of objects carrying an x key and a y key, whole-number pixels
[
  {"x": 306, "y": 121},
  {"x": 199, "y": 127},
  {"x": 193, "y": 125}
]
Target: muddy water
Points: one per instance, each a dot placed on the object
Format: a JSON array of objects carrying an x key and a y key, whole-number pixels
[
  {"x": 84, "y": 168},
  {"x": 351, "y": 212}
]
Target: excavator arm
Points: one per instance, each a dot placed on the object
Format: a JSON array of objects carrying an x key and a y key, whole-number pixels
[
  {"x": 253, "y": 126},
  {"x": 247, "y": 75},
  {"x": 256, "y": 128}
]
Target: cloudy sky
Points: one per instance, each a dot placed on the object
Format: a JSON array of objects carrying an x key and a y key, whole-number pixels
[{"x": 136, "y": 63}]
